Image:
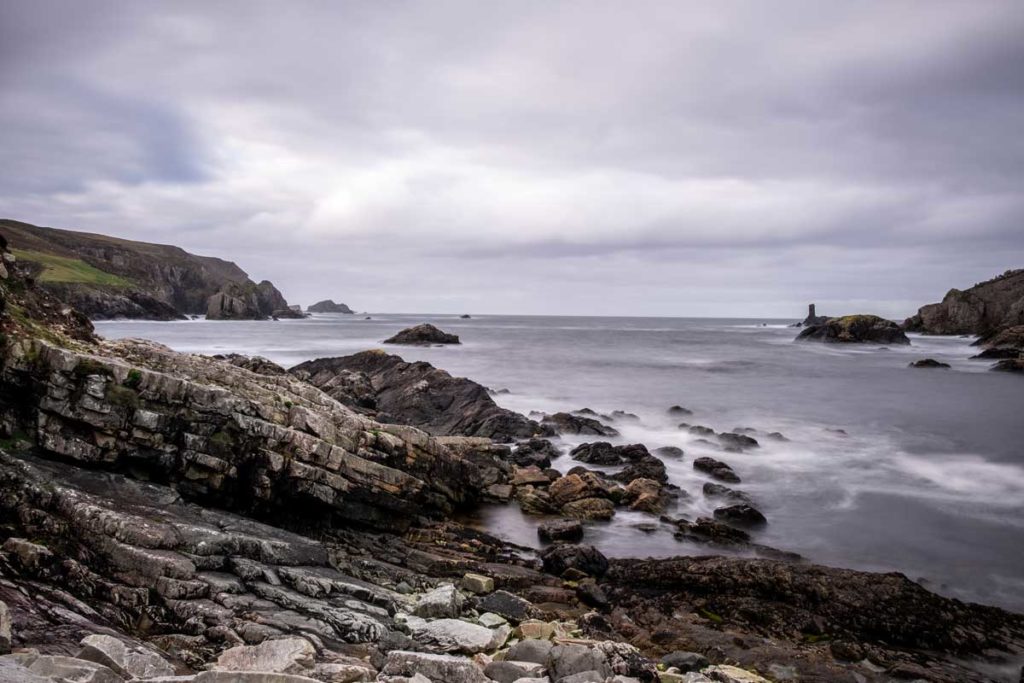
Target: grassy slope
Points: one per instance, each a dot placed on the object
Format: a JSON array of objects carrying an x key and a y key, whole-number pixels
[{"x": 63, "y": 269}]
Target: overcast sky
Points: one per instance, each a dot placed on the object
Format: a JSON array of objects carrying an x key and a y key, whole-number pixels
[{"x": 648, "y": 158}]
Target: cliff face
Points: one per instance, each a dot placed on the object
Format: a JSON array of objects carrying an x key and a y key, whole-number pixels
[
  {"x": 107, "y": 277},
  {"x": 984, "y": 308}
]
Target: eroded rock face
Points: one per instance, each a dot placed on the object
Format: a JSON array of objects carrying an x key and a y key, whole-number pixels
[
  {"x": 984, "y": 308},
  {"x": 855, "y": 329},
  {"x": 423, "y": 335},
  {"x": 261, "y": 444},
  {"x": 417, "y": 394}
]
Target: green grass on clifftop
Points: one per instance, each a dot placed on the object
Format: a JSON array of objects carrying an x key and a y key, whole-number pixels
[{"x": 62, "y": 269}]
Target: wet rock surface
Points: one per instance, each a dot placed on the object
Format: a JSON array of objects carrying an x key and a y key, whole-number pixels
[{"x": 422, "y": 335}]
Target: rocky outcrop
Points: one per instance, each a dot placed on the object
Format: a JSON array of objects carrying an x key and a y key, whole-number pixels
[
  {"x": 929, "y": 363},
  {"x": 416, "y": 394},
  {"x": 423, "y": 335},
  {"x": 854, "y": 329},
  {"x": 247, "y": 301},
  {"x": 812, "y": 318},
  {"x": 328, "y": 306},
  {"x": 124, "y": 278},
  {"x": 984, "y": 308}
]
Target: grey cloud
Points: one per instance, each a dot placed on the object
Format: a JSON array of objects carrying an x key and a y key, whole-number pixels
[{"x": 658, "y": 157}]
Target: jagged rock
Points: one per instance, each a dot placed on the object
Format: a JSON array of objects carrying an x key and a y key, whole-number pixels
[
  {"x": 328, "y": 306},
  {"x": 12, "y": 671},
  {"x": 928, "y": 363},
  {"x": 511, "y": 671},
  {"x": 421, "y": 395},
  {"x": 603, "y": 453},
  {"x": 741, "y": 515},
  {"x": 128, "y": 661},
  {"x": 443, "y": 601},
  {"x": 235, "y": 301},
  {"x": 583, "y": 558},
  {"x": 561, "y": 530},
  {"x": 422, "y": 335},
  {"x": 855, "y": 329},
  {"x": 1009, "y": 365},
  {"x": 712, "y": 490},
  {"x": 992, "y": 305},
  {"x": 567, "y": 423},
  {"x": 435, "y": 667},
  {"x": 577, "y": 486},
  {"x": 257, "y": 364},
  {"x": 645, "y": 495},
  {"x": 717, "y": 469},
  {"x": 647, "y": 467},
  {"x": 60, "y": 668},
  {"x": 283, "y": 655},
  {"x": 250, "y": 677},
  {"x": 534, "y": 501}
]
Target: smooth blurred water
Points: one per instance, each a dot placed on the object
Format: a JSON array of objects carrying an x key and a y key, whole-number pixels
[{"x": 928, "y": 480}]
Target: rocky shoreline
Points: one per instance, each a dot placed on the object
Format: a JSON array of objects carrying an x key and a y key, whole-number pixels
[{"x": 175, "y": 517}]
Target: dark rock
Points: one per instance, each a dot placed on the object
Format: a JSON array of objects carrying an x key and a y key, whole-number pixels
[
  {"x": 623, "y": 415},
  {"x": 562, "y": 557},
  {"x": 591, "y": 594},
  {"x": 986, "y": 307},
  {"x": 679, "y": 410},
  {"x": 685, "y": 661},
  {"x": 669, "y": 451},
  {"x": 996, "y": 354},
  {"x": 328, "y": 306},
  {"x": 741, "y": 515},
  {"x": 417, "y": 394},
  {"x": 561, "y": 530},
  {"x": 287, "y": 314},
  {"x": 236, "y": 301},
  {"x": 1015, "y": 365},
  {"x": 712, "y": 490},
  {"x": 567, "y": 423},
  {"x": 603, "y": 453},
  {"x": 700, "y": 430},
  {"x": 741, "y": 441},
  {"x": 465, "y": 316},
  {"x": 257, "y": 364},
  {"x": 928, "y": 363},
  {"x": 422, "y": 335},
  {"x": 855, "y": 329},
  {"x": 717, "y": 469},
  {"x": 589, "y": 509},
  {"x": 648, "y": 467},
  {"x": 537, "y": 452},
  {"x": 507, "y": 605}
]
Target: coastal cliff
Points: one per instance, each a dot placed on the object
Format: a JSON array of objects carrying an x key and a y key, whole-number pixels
[
  {"x": 985, "y": 308},
  {"x": 106, "y": 277},
  {"x": 225, "y": 520}
]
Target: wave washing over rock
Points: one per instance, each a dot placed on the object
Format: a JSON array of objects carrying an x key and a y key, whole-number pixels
[{"x": 218, "y": 519}]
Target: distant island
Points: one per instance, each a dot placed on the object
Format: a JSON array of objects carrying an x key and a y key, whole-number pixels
[{"x": 328, "y": 306}]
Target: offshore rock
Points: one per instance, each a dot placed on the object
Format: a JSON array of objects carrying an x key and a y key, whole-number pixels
[
  {"x": 424, "y": 334},
  {"x": 328, "y": 306},
  {"x": 855, "y": 329}
]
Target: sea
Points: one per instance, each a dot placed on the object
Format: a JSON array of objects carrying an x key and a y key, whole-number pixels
[{"x": 886, "y": 467}]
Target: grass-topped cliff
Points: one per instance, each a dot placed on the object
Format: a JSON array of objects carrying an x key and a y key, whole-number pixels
[{"x": 108, "y": 277}]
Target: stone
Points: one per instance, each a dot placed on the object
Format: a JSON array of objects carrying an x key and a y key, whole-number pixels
[
  {"x": 566, "y": 660},
  {"x": 589, "y": 508},
  {"x": 424, "y": 334},
  {"x": 435, "y": 667},
  {"x": 561, "y": 530},
  {"x": 283, "y": 655},
  {"x": 477, "y": 583},
  {"x": 531, "y": 650},
  {"x": 723, "y": 673},
  {"x": 740, "y": 441},
  {"x": 455, "y": 635},
  {"x": 717, "y": 469},
  {"x": 62, "y": 668},
  {"x": 584, "y": 677},
  {"x": 539, "y": 452},
  {"x": 337, "y": 672},
  {"x": 929, "y": 363},
  {"x": 567, "y": 423},
  {"x": 583, "y": 558},
  {"x": 443, "y": 601},
  {"x": 741, "y": 515},
  {"x": 507, "y": 605},
  {"x": 127, "y": 660},
  {"x": 12, "y": 671},
  {"x": 669, "y": 452},
  {"x": 685, "y": 661},
  {"x": 491, "y": 620},
  {"x": 509, "y": 671},
  {"x": 251, "y": 677}
]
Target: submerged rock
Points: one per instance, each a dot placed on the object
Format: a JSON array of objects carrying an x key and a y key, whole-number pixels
[
  {"x": 928, "y": 363},
  {"x": 567, "y": 423},
  {"x": 424, "y": 334},
  {"x": 717, "y": 469},
  {"x": 856, "y": 329},
  {"x": 743, "y": 515}
]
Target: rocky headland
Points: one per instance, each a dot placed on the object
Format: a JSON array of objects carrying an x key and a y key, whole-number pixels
[
  {"x": 175, "y": 517},
  {"x": 983, "y": 309},
  {"x": 328, "y": 306},
  {"x": 105, "y": 277}
]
